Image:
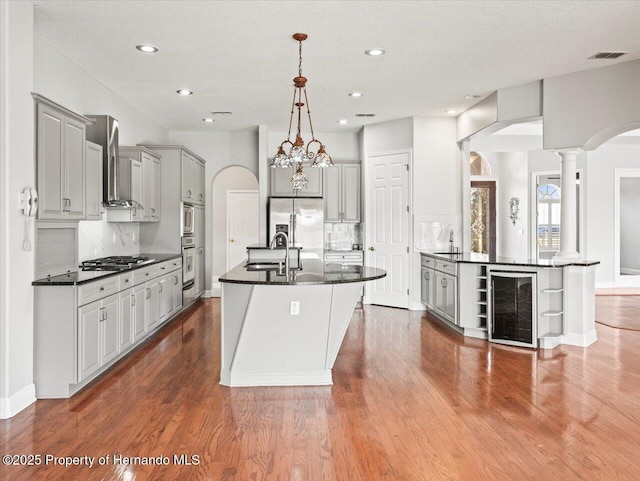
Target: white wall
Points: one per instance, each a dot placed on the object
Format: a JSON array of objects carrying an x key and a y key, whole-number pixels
[
  {"x": 601, "y": 165},
  {"x": 510, "y": 170},
  {"x": 17, "y": 171},
  {"x": 230, "y": 178},
  {"x": 583, "y": 109}
]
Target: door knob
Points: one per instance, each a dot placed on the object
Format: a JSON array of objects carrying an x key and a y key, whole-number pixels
[
  {"x": 372, "y": 248},
  {"x": 232, "y": 240}
]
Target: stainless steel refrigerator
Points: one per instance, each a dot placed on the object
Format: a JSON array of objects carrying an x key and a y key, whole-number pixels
[{"x": 301, "y": 218}]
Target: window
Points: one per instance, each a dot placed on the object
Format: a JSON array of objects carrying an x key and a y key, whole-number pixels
[
  {"x": 478, "y": 164},
  {"x": 548, "y": 217}
]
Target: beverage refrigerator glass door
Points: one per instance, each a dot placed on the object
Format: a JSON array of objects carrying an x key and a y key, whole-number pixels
[
  {"x": 188, "y": 219},
  {"x": 513, "y": 310}
]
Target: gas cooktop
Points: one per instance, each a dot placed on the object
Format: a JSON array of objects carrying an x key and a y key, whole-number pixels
[{"x": 115, "y": 263}]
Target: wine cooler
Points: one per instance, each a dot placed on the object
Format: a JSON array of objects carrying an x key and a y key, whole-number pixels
[{"x": 513, "y": 317}]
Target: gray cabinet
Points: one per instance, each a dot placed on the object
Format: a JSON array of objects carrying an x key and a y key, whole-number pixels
[
  {"x": 93, "y": 182},
  {"x": 342, "y": 193},
  {"x": 148, "y": 193},
  {"x": 426, "y": 291},
  {"x": 281, "y": 182},
  {"x": 192, "y": 179},
  {"x": 439, "y": 287},
  {"x": 60, "y": 161},
  {"x": 81, "y": 330},
  {"x": 200, "y": 257},
  {"x": 98, "y": 324}
]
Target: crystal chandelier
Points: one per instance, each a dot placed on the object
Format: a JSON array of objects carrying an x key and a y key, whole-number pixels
[{"x": 298, "y": 152}]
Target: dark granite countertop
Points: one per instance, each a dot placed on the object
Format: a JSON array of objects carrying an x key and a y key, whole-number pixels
[
  {"x": 312, "y": 272},
  {"x": 473, "y": 258},
  {"x": 79, "y": 276}
]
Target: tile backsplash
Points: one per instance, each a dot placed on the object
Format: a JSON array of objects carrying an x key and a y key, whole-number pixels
[
  {"x": 431, "y": 232},
  {"x": 342, "y": 236},
  {"x": 102, "y": 238}
]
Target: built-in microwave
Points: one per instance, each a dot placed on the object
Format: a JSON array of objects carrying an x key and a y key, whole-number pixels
[{"x": 188, "y": 219}]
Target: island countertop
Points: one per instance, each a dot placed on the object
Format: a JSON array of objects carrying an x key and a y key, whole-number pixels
[
  {"x": 474, "y": 258},
  {"x": 312, "y": 272}
]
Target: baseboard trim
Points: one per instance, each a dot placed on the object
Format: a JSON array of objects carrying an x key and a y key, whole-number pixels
[
  {"x": 248, "y": 379},
  {"x": 11, "y": 406},
  {"x": 216, "y": 290},
  {"x": 580, "y": 340}
]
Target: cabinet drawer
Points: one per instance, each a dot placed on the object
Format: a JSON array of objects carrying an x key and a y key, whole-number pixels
[
  {"x": 169, "y": 266},
  {"x": 144, "y": 274},
  {"x": 351, "y": 258},
  {"x": 97, "y": 290},
  {"x": 126, "y": 280},
  {"x": 427, "y": 261},
  {"x": 445, "y": 266}
]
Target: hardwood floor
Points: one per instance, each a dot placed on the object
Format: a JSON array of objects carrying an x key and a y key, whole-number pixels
[{"x": 411, "y": 400}]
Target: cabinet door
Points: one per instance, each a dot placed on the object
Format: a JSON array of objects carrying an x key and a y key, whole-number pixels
[
  {"x": 49, "y": 149},
  {"x": 147, "y": 185},
  {"x": 156, "y": 192},
  {"x": 152, "y": 304},
  {"x": 350, "y": 192},
  {"x": 137, "y": 190},
  {"x": 439, "y": 290},
  {"x": 165, "y": 299},
  {"x": 198, "y": 182},
  {"x": 425, "y": 285},
  {"x": 127, "y": 318},
  {"x": 187, "y": 178},
  {"x": 89, "y": 321},
  {"x": 93, "y": 175},
  {"x": 110, "y": 328},
  {"x": 139, "y": 303},
  {"x": 176, "y": 282},
  {"x": 74, "y": 168},
  {"x": 450, "y": 298},
  {"x": 332, "y": 194}
]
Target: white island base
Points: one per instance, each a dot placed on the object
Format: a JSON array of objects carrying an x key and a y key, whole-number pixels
[{"x": 265, "y": 343}]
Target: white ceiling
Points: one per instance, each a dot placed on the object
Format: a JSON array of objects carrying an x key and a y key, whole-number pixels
[{"x": 239, "y": 55}]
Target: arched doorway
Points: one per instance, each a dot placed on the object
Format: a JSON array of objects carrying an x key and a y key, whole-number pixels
[{"x": 229, "y": 181}]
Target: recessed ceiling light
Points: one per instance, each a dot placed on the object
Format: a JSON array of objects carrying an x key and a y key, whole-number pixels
[
  {"x": 471, "y": 96},
  {"x": 450, "y": 111},
  {"x": 375, "y": 52},
  {"x": 207, "y": 120},
  {"x": 184, "y": 92},
  {"x": 343, "y": 121},
  {"x": 146, "y": 48},
  {"x": 355, "y": 94}
]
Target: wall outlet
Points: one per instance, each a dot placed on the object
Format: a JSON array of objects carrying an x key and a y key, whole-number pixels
[{"x": 295, "y": 308}]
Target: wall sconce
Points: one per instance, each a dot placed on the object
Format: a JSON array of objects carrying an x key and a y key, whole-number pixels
[{"x": 514, "y": 208}]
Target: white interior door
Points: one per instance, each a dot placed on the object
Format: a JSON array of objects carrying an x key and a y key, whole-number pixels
[
  {"x": 387, "y": 231},
  {"x": 243, "y": 224}
]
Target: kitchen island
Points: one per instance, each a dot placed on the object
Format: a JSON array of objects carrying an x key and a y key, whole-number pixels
[
  {"x": 458, "y": 289},
  {"x": 286, "y": 329}
]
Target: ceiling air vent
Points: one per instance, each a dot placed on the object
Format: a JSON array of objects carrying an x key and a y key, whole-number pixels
[
  {"x": 221, "y": 112},
  {"x": 607, "y": 55},
  {"x": 365, "y": 115}
]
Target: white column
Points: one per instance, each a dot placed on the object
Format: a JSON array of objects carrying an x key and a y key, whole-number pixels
[{"x": 568, "y": 207}]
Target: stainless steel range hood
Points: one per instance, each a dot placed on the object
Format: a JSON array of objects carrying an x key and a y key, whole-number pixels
[{"x": 104, "y": 132}]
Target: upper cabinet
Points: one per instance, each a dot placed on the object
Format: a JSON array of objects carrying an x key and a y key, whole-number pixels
[
  {"x": 93, "y": 183},
  {"x": 150, "y": 194},
  {"x": 281, "y": 182},
  {"x": 342, "y": 193},
  {"x": 60, "y": 161},
  {"x": 192, "y": 179}
]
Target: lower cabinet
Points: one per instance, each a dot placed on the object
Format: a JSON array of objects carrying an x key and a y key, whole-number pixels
[
  {"x": 439, "y": 288},
  {"x": 78, "y": 333},
  {"x": 98, "y": 340}
]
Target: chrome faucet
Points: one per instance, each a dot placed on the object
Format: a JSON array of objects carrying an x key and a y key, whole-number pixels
[{"x": 286, "y": 256}]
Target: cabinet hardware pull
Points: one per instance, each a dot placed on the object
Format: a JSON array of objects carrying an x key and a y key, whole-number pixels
[
  {"x": 147, "y": 293},
  {"x": 133, "y": 300},
  {"x": 160, "y": 288},
  {"x": 147, "y": 274},
  {"x": 102, "y": 289},
  {"x": 106, "y": 313},
  {"x": 163, "y": 268},
  {"x": 126, "y": 281}
]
